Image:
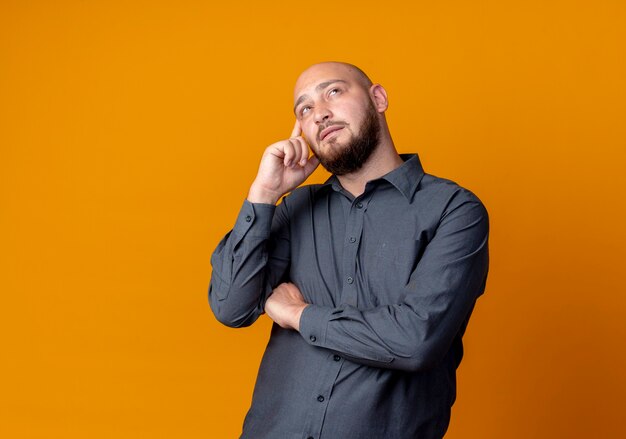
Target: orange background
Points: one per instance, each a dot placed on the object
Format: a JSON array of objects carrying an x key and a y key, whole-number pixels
[{"x": 130, "y": 132}]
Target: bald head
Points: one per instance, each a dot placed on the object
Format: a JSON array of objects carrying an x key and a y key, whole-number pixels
[{"x": 325, "y": 69}]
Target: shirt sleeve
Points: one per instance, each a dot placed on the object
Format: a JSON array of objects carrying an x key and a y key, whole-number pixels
[
  {"x": 416, "y": 333},
  {"x": 248, "y": 262}
]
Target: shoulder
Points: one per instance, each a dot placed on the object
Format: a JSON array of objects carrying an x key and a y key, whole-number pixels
[
  {"x": 446, "y": 196},
  {"x": 445, "y": 189}
]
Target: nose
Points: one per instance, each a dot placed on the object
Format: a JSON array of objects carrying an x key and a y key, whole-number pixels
[{"x": 322, "y": 114}]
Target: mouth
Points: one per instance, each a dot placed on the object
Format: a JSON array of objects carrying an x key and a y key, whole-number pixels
[{"x": 329, "y": 130}]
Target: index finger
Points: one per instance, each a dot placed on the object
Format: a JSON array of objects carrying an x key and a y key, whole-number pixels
[{"x": 296, "y": 129}]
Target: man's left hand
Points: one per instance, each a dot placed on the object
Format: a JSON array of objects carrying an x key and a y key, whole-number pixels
[{"x": 285, "y": 306}]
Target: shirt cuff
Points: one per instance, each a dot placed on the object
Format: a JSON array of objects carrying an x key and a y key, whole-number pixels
[
  {"x": 256, "y": 218},
  {"x": 313, "y": 323}
]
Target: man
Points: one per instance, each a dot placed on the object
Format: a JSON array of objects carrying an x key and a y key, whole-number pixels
[{"x": 370, "y": 278}]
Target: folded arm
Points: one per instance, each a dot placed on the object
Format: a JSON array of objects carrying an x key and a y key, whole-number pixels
[{"x": 416, "y": 333}]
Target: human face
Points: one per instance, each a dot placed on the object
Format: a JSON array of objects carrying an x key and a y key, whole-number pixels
[
  {"x": 352, "y": 156},
  {"x": 337, "y": 117}
]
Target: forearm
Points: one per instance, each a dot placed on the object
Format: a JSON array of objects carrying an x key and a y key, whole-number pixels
[
  {"x": 416, "y": 332},
  {"x": 240, "y": 278},
  {"x": 412, "y": 336}
]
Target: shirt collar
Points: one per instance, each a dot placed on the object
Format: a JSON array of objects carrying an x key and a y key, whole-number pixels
[{"x": 405, "y": 178}]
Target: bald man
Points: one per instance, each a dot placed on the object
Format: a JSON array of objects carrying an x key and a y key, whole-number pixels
[{"x": 370, "y": 278}]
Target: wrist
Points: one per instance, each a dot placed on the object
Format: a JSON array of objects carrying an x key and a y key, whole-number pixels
[
  {"x": 260, "y": 195},
  {"x": 297, "y": 315}
]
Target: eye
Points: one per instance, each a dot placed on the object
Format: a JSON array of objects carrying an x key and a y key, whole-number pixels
[
  {"x": 304, "y": 110},
  {"x": 333, "y": 91}
]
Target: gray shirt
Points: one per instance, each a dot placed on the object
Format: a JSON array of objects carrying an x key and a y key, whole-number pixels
[{"x": 392, "y": 277}]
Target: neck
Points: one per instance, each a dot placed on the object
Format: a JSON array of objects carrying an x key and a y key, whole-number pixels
[{"x": 382, "y": 161}]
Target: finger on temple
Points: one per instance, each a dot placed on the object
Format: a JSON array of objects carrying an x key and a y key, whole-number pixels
[
  {"x": 305, "y": 152},
  {"x": 296, "y": 129},
  {"x": 289, "y": 153}
]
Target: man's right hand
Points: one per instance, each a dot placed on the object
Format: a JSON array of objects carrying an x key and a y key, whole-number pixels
[{"x": 284, "y": 166}]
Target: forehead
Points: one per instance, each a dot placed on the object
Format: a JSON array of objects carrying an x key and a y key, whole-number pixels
[{"x": 321, "y": 73}]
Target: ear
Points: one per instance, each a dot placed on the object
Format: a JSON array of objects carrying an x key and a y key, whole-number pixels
[{"x": 379, "y": 97}]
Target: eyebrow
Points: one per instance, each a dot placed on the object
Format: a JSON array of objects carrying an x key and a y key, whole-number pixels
[{"x": 319, "y": 87}]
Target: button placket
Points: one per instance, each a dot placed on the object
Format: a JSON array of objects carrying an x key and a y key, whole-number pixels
[
  {"x": 354, "y": 227},
  {"x": 320, "y": 397}
]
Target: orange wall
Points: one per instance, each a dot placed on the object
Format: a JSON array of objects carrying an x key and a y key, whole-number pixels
[{"x": 130, "y": 131}]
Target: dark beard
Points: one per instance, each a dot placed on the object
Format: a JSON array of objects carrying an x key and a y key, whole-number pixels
[{"x": 354, "y": 155}]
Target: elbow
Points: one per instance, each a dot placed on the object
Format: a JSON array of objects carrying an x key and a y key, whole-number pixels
[
  {"x": 229, "y": 315},
  {"x": 231, "y": 318},
  {"x": 225, "y": 318},
  {"x": 417, "y": 364},
  {"x": 231, "y": 322},
  {"x": 421, "y": 360}
]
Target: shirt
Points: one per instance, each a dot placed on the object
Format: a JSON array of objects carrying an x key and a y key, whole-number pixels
[{"x": 392, "y": 277}]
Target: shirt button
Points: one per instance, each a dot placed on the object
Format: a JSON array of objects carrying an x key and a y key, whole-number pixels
[
  {"x": 350, "y": 280},
  {"x": 248, "y": 218},
  {"x": 312, "y": 338},
  {"x": 359, "y": 205},
  {"x": 336, "y": 358},
  {"x": 320, "y": 398},
  {"x": 352, "y": 239}
]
